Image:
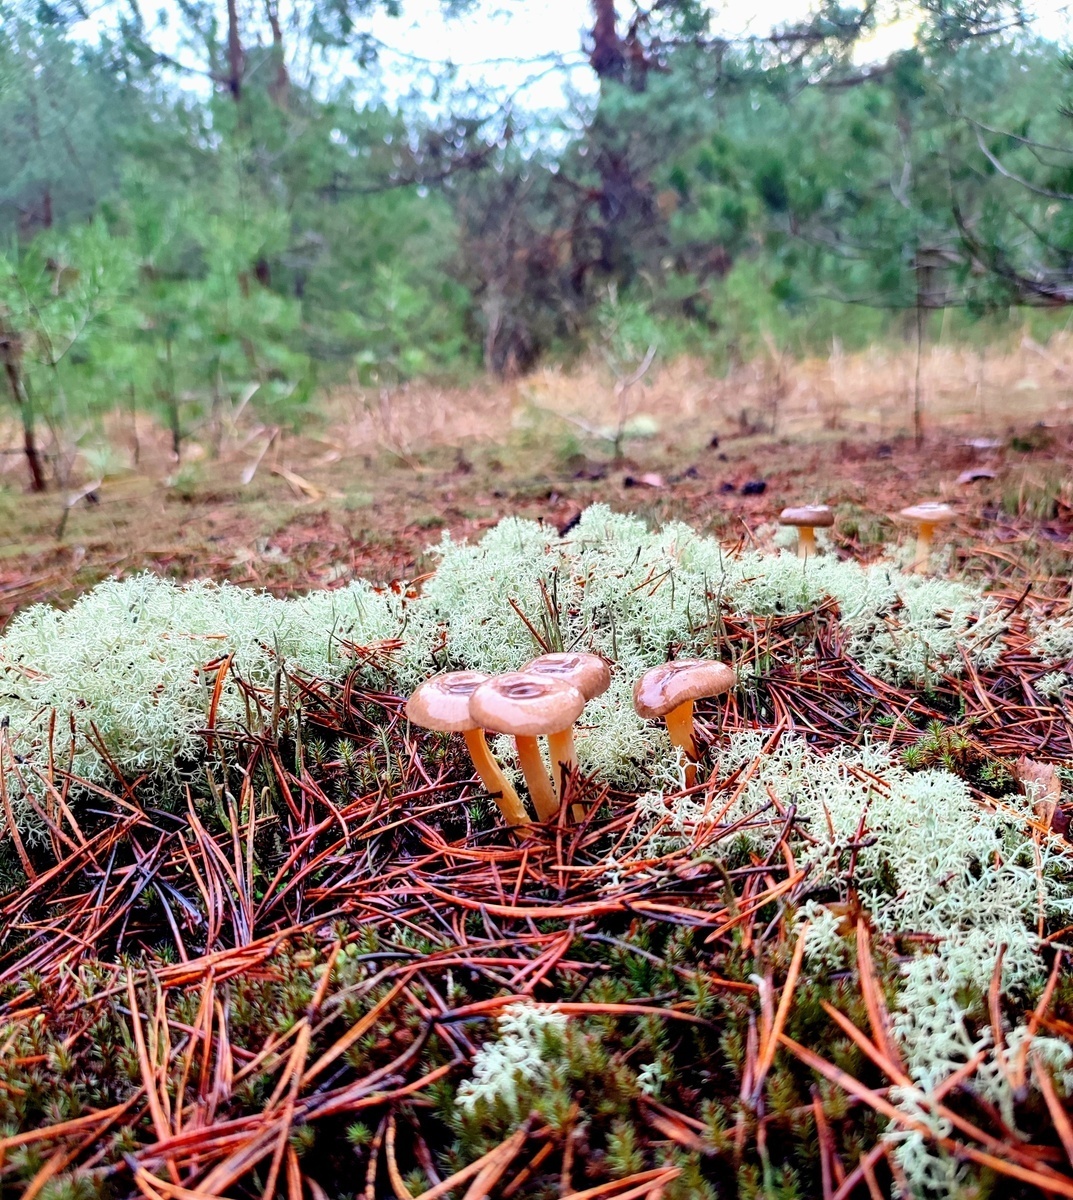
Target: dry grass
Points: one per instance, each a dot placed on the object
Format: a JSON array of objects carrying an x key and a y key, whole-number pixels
[
  {"x": 870, "y": 393},
  {"x": 372, "y": 478}
]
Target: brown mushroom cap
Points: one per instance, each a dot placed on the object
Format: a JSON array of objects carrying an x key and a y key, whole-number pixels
[
  {"x": 526, "y": 705},
  {"x": 930, "y": 512},
  {"x": 815, "y": 516},
  {"x": 663, "y": 688},
  {"x": 587, "y": 672},
  {"x": 442, "y": 702}
]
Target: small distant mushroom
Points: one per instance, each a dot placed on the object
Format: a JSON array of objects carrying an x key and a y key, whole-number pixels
[
  {"x": 668, "y": 691},
  {"x": 442, "y": 703},
  {"x": 807, "y": 518},
  {"x": 926, "y": 516},
  {"x": 529, "y": 706},
  {"x": 590, "y": 674}
]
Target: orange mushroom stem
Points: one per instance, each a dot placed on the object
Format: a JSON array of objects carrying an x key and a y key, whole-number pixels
[
  {"x": 527, "y": 706},
  {"x": 927, "y": 517},
  {"x": 591, "y": 675},
  {"x": 669, "y": 690},
  {"x": 807, "y": 519},
  {"x": 442, "y": 703}
]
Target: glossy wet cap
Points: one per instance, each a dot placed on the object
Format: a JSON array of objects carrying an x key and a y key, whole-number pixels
[
  {"x": 526, "y": 705},
  {"x": 814, "y": 516},
  {"x": 663, "y": 688},
  {"x": 587, "y": 672},
  {"x": 931, "y": 512},
  {"x": 442, "y": 702}
]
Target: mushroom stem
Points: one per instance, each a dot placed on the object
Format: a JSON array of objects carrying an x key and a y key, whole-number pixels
[
  {"x": 680, "y": 728},
  {"x": 543, "y": 795},
  {"x": 563, "y": 757},
  {"x": 924, "y": 534},
  {"x": 806, "y": 541},
  {"x": 495, "y": 782},
  {"x": 563, "y": 761}
]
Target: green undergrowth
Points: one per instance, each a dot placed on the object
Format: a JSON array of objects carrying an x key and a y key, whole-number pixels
[{"x": 589, "y": 1079}]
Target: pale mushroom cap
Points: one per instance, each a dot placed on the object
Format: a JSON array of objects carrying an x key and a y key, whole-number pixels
[
  {"x": 931, "y": 512},
  {"x": 526, "y": 705},
  {"x": 663, "y": 688},
  {"x": 815, "y": 516},
  {"x": 587, "y": 672},
  {"x": 442, "y": 702}
]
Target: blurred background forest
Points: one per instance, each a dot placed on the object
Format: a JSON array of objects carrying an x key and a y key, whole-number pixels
[{"x": 220, "y": 207}]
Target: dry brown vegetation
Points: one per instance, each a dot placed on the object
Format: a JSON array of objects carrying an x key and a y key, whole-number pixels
[{"x": 369, "y": 483}]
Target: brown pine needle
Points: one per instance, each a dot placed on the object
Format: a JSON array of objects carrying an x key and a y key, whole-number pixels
[
  {"x": 1054, "y": 1106},
  {"x": 878, "y": 1017},
  {"x": 771, "y": 1042},
  {"x": 644, "y": 1183}
]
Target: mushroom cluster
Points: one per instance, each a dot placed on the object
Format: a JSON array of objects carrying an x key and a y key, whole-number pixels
[
  {"x": 927, "y": 516},
  {"x": 545, "y": 699}
]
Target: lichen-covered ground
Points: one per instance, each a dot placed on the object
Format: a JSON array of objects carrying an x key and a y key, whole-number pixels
[
  {"x": 848, "y": 934},
  {"x": 258, "y": 936},
  {"x": 365, "y": 488}
]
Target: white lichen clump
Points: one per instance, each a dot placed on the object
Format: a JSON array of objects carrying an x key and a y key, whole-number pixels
[
  {"x": 137, "y": 660},
  {"x": 518, "y": 1056},
  {"x": 616, "y": 587},
  {"x": 1052, "y": 684},
  {"x": 1054, "y": 639},
  {"x": 929, "y": 861},
  {"x": 134, "y": 659}
]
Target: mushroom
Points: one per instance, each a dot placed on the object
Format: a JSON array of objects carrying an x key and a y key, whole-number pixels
[
  {"x": 669, "y": 690},
  {"x": 808, "y": 518},
  {"x": 927, "y": 516},
  {"x": 442, "y": 703},
  {"x": 527, "y": 707},
  {"x": 590, "y": 674}
]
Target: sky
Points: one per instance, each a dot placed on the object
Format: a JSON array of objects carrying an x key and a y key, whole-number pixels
[
  {"x": 531, "y": 29},
  {"x": 532, "y": 48}
]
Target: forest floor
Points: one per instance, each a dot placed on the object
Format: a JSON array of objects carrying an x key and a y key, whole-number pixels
[
  {"x": 294, "y": 1003},
  {"x": 378, "y": 476}
]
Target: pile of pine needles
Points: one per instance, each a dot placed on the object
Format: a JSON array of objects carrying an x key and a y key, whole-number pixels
[{"x": 273, "y": 983}]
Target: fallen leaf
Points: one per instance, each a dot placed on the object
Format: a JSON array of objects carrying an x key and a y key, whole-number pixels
[
  {"x": 1041, "y": 785},
  {"x": 87, "y": 493}
]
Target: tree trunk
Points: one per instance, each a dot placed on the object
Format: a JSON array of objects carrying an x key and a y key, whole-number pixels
[
  {"x": 10, "y": 353},
  {"x": 280, "y": 86},
  {"x": 607, "y": 57},
  {"x": 235, "y": 57},
  {"x": 173, "y": 405}
]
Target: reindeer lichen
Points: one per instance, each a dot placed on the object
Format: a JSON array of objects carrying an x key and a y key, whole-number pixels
[{"x": 519, "y": 1055}]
